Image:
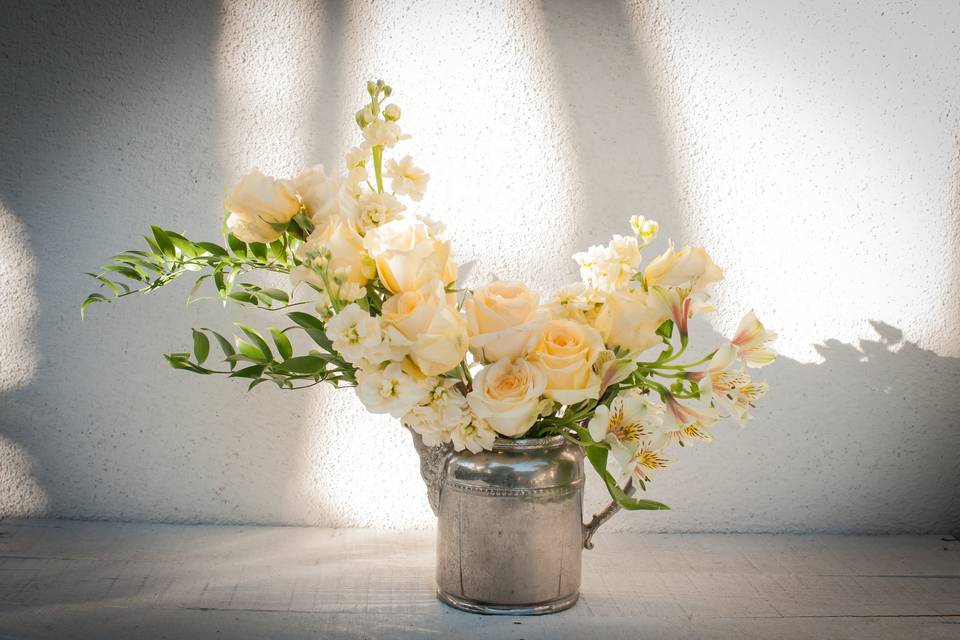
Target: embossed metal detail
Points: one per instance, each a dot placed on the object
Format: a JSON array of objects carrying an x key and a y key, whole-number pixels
[
  {"x": 503, "y": 492},
  {"x": 431, "y": 468}
]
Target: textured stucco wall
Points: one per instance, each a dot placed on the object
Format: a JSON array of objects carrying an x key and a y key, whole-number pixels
[{"x": 812, "y": 149}]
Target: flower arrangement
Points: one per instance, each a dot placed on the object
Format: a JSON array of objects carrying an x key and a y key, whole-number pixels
[{"x": 599, "y": 362}]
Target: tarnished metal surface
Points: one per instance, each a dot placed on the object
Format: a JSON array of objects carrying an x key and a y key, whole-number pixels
[{"x": 510, "y": 530}]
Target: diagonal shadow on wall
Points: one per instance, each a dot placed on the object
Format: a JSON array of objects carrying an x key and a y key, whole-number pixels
[
  {"x": 614, "y": 122},
  {"x": 111, "y": 123}
]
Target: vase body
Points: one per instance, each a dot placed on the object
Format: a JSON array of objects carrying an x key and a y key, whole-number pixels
[{"x": 510, "y": 527}]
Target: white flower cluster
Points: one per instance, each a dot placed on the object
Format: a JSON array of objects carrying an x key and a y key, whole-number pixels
[{"x": 602, "y": 352}]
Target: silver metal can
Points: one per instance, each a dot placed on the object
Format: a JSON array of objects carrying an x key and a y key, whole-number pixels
[{"x": 510, "y": 528}]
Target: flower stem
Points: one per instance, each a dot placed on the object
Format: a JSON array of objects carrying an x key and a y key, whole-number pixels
[{"x": 378, "y": 166}]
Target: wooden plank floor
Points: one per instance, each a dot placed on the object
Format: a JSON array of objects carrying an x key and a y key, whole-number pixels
[{"x": 62, "y": 579}]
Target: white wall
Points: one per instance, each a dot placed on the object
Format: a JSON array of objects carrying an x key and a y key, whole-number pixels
[{"x": 813, "y": 150}]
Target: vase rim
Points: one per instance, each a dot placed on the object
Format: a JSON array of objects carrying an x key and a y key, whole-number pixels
[{"x": 526, "y": 444}]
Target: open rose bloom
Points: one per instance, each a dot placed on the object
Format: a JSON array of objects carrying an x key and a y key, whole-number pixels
[{"x": 603, "y": 362}]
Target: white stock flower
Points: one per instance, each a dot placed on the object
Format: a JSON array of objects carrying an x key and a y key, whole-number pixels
[
  {"x": 373, "y": 209},
  {"x": 353, "y": 333},
  {"x": 644, "y": 229},
  {"x": 357, "y": 157},
  {"x": 391, "y": 112},
  {"x": 609, "y": 267},
  {"x": 392, "y": 389},
  {"x": 383, "y": 133},
  {"x": 474, "y": 435},
  {"x": 407, "y": 179}
]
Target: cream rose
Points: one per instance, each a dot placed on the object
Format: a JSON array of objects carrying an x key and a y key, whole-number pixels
[
  {"x": 691, "y": 267},
  {"x": 408, "y": 256},
  {"x": 507, "y": 395},
  {"x": 319, "y": 192},
  {"x": 437, "y": 333},
  {"x": 257, "y": 202},
  {"x": 630, "y": 320},
  {"x": 347, "y": 255},
  {"x": 566, "y": 353},
  {"x": 502, "y": 320}
]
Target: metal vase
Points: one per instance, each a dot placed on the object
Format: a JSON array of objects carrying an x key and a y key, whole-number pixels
[{"x": 510, "y": 529}]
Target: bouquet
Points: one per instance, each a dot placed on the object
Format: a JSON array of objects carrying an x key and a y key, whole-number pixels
[{"x": 600, "y": 362}]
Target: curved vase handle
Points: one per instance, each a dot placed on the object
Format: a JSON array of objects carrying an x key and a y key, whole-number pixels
[
  {"x": 432, "y": 467},
  {"x": 600, "y": 517}
]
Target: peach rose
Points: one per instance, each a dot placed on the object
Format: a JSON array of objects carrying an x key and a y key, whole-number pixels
[
  {"x": 507, "y": 395},
  {"x": 566, "y": 353}
]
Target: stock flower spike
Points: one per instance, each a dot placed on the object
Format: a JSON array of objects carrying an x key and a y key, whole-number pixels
[{"x": 373, "y": 287}]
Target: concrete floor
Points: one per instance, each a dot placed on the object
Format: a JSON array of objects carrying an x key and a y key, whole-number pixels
[{"x": 62, "y": 579}]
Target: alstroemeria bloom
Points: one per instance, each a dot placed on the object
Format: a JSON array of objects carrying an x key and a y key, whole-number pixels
[
  {"x": 690, "y": 268},
  {"x": 633, "y": 428},
  {"x": 753, "y": 342},
  {"x": 723, "y": 357},
  {"x": 736, "y": 393},
  {"x": 684, "y": 422},
  {"x": 680, "y": 305}
]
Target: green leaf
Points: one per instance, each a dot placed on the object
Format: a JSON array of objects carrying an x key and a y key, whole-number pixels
[
  {"x": 665, "y": 329},
  {"x": 201, "y": 346},
  {"x": 225, "y": 346},
  {"x": 111, "y": 284},
  {"x": 314, "y": 328},
  {"x": 93, "y": 297},
  {"x": 244, "y": 297},
  {"x": 256, "y": 338},
  {"x": 597, "y": 455},
  {"x": 182, "y": 361},
  {"x": 154, "y": 248},
  {"x": 213, "y": 249},
  {"x": 277, "y": 294},
  {"x": 284, "y": 348},
  {"x": 254, "y": 371},
  {"x": 239, "y": 247},
  {"x": 163, "y": 242},
  {"x": 305, "y": 365},
  {"x": 125, "y": 271},
  {"x": 196, "y": 286},
  {"x": 259, "y": 250},
  {"x": 249, "y": 350}
]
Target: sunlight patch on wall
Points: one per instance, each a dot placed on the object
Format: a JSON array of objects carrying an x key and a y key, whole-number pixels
[
  {"x": 18, "y": 304},
  {"x": 494, "y": 135},
  {"x": 821, "y": 177},
  {"x": 266, "y": 66}
]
